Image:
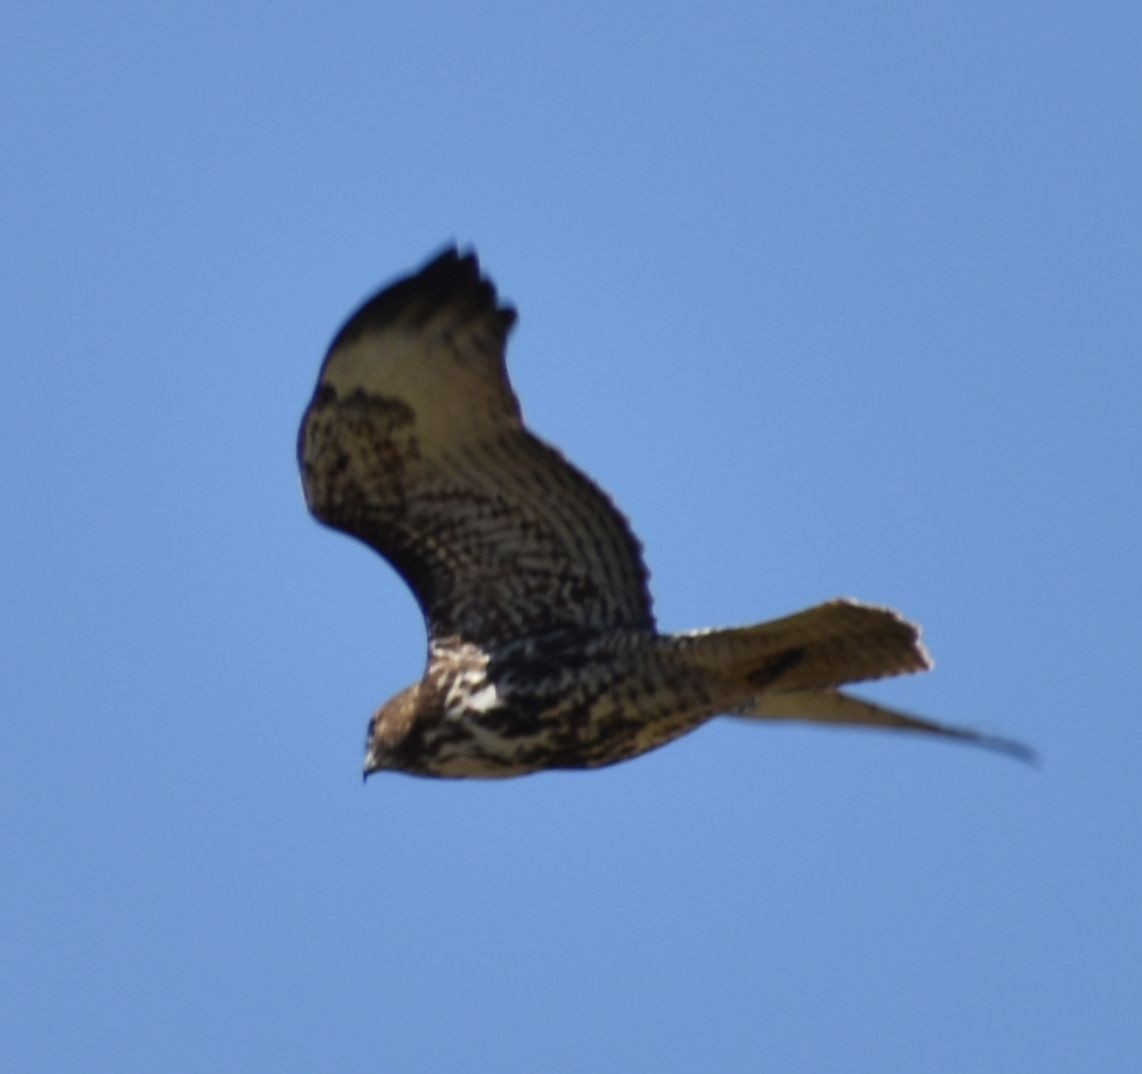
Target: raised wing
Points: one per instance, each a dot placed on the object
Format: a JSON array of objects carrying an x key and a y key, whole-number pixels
[{"x": 414, "y": 444}]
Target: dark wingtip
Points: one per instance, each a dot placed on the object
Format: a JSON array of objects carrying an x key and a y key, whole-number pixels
[
  {"x": 1010, "y": 747},
  {"x": 451, "y": 277},
  {"x": 1018, "y": 750}
]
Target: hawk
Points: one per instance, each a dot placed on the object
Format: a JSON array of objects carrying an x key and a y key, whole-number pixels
[{"x": 542, "y": 646}]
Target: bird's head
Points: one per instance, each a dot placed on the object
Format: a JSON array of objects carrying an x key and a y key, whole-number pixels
[{"x": 390, "y": 730}]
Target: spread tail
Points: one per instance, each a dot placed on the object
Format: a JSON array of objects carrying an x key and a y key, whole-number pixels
[
  {"x": 789, "y": 669},
  {"x": 827, "y": 646}
]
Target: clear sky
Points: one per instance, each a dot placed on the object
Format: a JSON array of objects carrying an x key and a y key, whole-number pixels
[{"x": 833, "y": 299}]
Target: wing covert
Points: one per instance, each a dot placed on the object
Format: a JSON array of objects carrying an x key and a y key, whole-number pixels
[{"x": 414, "y": 444}]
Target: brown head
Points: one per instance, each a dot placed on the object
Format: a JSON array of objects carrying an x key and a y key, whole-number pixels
[{"x": 390, "y": 732}]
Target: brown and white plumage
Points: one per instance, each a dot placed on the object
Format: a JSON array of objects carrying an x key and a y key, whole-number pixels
[{"x": 543, "y": 651}]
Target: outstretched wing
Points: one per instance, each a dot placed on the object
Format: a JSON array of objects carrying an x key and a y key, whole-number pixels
[
  {"x": 846, "y": 710},
  {"x": 414, "y": 444}
]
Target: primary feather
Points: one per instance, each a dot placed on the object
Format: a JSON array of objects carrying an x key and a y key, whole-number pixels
[{"x": 543, "y": 651}]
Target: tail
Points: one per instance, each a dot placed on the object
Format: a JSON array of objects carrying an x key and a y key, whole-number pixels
[
  {"x": 827, "y": 646},
  {"x": 789, "y": 669}
]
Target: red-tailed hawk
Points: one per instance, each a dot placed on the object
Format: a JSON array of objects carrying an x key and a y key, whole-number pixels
[{"x": 542, "y": 647}]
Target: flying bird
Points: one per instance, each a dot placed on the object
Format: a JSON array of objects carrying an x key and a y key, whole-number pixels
[{"x": 542, "y": 646}]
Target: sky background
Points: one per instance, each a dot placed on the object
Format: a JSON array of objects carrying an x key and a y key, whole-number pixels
[{"x": 833, "y": 299}]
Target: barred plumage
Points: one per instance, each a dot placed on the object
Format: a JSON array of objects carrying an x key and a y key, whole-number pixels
[{"x": 543, "y": 651}]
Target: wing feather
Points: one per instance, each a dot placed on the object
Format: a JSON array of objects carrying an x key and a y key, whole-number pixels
[{"x": 414, "y": 444}]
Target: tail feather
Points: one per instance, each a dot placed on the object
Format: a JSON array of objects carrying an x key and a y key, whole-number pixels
[
  {"x": 841, "y": 709},
  {"x": 839, "y": 642},
  {"x": 789, "y": 669}
]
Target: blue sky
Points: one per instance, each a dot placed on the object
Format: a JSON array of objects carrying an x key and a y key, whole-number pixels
[{"x": 833, "y": 299}]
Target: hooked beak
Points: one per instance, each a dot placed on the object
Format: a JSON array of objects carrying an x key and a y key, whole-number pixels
[{"x": 373, "y": 762}]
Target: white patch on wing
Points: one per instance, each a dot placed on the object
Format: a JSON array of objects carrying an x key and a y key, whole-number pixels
[
  {"x": 463, "y": 698},
  {"x": 484, "y": 700}
]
